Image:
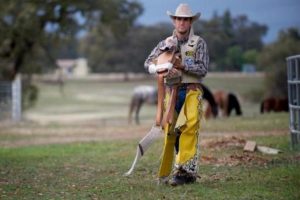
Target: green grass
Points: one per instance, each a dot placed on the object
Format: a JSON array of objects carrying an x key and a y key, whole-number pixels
[
  {"x": 108, "y": 100},
  {"x": 94, "y": 171},
  {"x": 257, "y": 122},
  {"x": 241, "y": 85},
  {"x": 268, "y": 123}
]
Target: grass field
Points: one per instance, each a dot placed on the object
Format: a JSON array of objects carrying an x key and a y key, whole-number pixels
[
  {"x": 94, "y": 171},
  {"x": 78, "y": 145},
  {"x": 109, "y": 101}
]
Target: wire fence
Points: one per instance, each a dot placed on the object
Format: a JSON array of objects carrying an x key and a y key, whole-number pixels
[
  {"x": 10, "y": 100},
  {"x": 293, "y": 76}
]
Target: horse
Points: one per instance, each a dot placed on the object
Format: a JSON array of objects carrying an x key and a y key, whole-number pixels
[
  {"x": 233, "y": 104},
  {"x": 274, "y": 104},
  {"x": 148, "y": 94},
  {"x": 141, "y": 94},
  {"x": 227, "y": 102}
]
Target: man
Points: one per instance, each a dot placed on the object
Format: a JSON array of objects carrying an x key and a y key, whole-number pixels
[{"x": 182, "y": 134}]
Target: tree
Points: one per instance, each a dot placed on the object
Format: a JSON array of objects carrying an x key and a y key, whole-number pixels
[
  {"x": 234, "y": 58},
  {"x": 26, "y": 26},
  {"x": 248, "y": 34},
  {"x": 250, "y": 56},
  {"x": 273, "y": 61},
  {"x": 31, "y": 31},
  {"x": 106, "y": 53},
  {"x": 228, "y": 37}
]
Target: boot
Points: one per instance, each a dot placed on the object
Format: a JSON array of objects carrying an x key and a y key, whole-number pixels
[{"x": 181, "y": 177}]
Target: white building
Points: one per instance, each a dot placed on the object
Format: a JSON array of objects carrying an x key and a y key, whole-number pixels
[{"x": 77, "y": 68}]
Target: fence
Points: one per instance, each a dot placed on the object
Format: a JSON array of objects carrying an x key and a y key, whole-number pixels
[
  {"x": 10, "y": 100},
  {"x": 293, "y": 76}
]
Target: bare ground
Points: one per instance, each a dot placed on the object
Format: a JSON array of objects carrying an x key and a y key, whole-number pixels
[
  {"x": 28, "y": 134},
  {"x": 20, "y": 135}
]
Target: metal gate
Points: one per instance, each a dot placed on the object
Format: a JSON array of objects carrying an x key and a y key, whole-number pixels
[{"x": 293, "y": 75}]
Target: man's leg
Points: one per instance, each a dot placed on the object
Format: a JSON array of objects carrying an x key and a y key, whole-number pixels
[
  {"x": 168, "y": 150},
  {"x": 186, "y": 163},
  {"x": 168, "y": 155}
]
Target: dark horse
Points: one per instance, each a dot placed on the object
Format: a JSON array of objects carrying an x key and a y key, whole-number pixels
[
  {"x": 233, "y": 104},
  {"x": 148, "y": 94},
  {"x": 274, "y": 104},
  {"x": 227, "y": 102}
]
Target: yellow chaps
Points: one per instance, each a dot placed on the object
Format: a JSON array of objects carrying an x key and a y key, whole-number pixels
[{"x": 186, "y": 125}]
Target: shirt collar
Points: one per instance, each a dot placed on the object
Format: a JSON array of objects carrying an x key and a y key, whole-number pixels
[{"x": 185, "y": 39}]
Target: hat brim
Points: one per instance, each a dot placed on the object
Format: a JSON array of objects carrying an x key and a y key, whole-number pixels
[{"x": 194, "y": 17}]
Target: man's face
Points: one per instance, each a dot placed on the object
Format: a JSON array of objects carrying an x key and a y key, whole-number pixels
[{"x": 182, "y": 24}]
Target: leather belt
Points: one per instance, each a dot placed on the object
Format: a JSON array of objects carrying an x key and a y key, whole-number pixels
[{"x": 190, "y": 86}]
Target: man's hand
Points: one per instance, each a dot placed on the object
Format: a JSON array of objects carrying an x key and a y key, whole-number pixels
[
  {"x": 176, "y": 61},
  {"x": 173, "y": 73}
]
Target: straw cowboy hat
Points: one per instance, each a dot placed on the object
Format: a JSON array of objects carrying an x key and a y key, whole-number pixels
[{"x": 183, "y": 10}]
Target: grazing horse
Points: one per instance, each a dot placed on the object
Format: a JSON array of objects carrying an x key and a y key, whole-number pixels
[
  {"x": 148, "y": 94},
  {"x": 274, "y": 104},
  {"x": 233, "y": 104},
  {"x": 227, "y": 102},
  {"x": 141, "y": 94}
]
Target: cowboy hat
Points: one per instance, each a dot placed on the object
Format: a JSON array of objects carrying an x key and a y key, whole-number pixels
[{"x": 183, "y": 10}]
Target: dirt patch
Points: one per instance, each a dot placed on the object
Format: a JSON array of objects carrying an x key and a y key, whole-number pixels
[
  {"x": 235, "y": 160},
  {"x": 233, "y": 142},
  {"x": 26, "y": 134},
  {"x": 227, "y": 141}
]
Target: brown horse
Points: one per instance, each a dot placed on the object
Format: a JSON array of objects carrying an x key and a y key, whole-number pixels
[
  {"x": 227, "y": 102},
  {"x": 148, "y": 94},
  {"x": 274, "y": 104}
]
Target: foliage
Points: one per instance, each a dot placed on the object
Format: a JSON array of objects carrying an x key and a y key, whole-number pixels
[
  {"x": 33, "y": 34},
  {"x": 29, "y": 96},
  {"x": 27, "y": 25},
  {"x": 107, "y": 53},
  {"x": 234, "y": 58},
  {"x": 228, "y": 38},
  {"x": 250, "y": 56},
  {"x": 111, "y": 43},
  {"x": 273, "y": 61}
]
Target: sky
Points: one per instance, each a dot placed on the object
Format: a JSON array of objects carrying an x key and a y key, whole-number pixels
[{"x": 276, "y": 14}]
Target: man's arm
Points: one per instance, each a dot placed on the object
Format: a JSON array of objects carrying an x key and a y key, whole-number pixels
[
  {"x": 200, "y": 65},
  {"x": 165, "y": 45},
  {"x": 153, "y": 55}
]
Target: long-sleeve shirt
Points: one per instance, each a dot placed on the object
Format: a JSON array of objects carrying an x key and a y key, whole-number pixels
[{"x": 198, "y": 68}]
